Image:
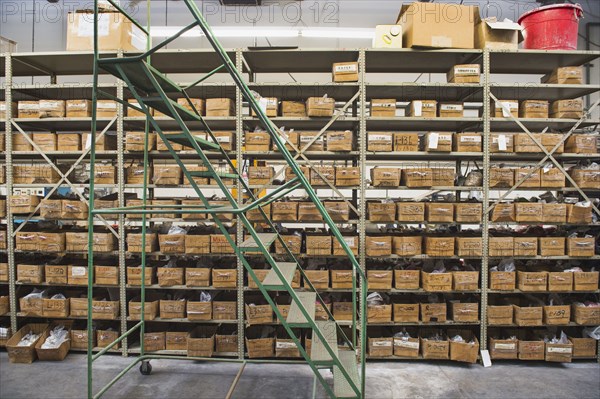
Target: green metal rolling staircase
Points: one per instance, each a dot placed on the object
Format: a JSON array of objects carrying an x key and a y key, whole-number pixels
[{"x": 153, "y": 90}]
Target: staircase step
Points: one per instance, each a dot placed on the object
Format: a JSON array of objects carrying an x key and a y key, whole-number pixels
[
  {"x": 318, "y": 353},
  {"x": 341, "y": 386},
  {"x": 273, "y": 282},
  {"x": 295, "y": 317},
  {"x": 135, "y": 71},
  {"x": 209, "y": 174},
  {"x": 265, "y": 238},
  {"x": 183, "y": 139}
]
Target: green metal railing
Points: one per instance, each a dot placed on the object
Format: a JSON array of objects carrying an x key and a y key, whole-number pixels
[{"x": 118, "y": 66}]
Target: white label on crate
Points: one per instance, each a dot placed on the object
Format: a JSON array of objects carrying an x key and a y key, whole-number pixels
[
  {"x": 138, "y": 38},
  {"x": 382, "y": 343},
  {"x": 512, "y": 105},
  {"x": 383, "y": 105},
  {"x": 451, "y": 107},
  {"x": 433, "y": 139},
  {"x": 88, "y": 141},
  {"x": 559, "y": 350},
  {"x": 349, "y": 241},
  {"x": 470, "y": 139},
  {"x": 502, "y": 144},
  {"x": 405, "y": 344},
  {"x": 86, "y": 25},
  {"x": 45, "y": 104},
  {"x": 346, "y": 68},
  {"x": 23, "y": 105},
  {"x": 285, "y": 345},
  {"x": 485, "y": 358},
  {"x": 263, "y": 103},
  {"x": 505, "y": 346},
  {"x": 466, "y": 71},
  {"x": 308, "y": 139},
  {"x": 380, "y": 137},
  {"x": 107, "y": 105},
  {"x": 223, "y": 139},
  {"x": 2, "y": 107},
  {"x": 78, "y": 271},
  {"x": 418, "y": 108}
]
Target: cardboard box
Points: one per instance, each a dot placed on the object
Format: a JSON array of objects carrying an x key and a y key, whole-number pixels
[
  {"x": 570, "y": 75},
  {"x": 78, "y": 108},
  {"x": 379, "y": 313},
  {"x": 557, "y": 315},
  {"x": 383, "y": 108},
  {"x": 293, "y": 109},
  {"x": 529, "y": 211},
  {"x": 585, "y": 281},
  {"x": 199, "y": 311},
  {"x": 381, "y": 211},
  {"x": 45, "y": 141},
  {"x": 533, "y": 181},
  {"x": 582, "y": 144},
  {"x": 585, "y": 315},
  {"x": 500, "y": 315},
  {"x": 26, "y": 204},
  {"x": 388, "y": 36},
  {"x": 407, "y": 279},
  {"x": 226, "y": 343},
  {"x": 560, "y": 281},
  {"x": 105, "y": 310},
  {"x": 55, "y": 307},
  {"x": 552, "y": 246},
  {"x": 467, "y": 142},
  {"x": 534, "y": 109},
  {"x": 406, "y": 313},
  {"x": 433, "y": 312},
  {"x": 385, "y": 177},
  {"x": 466, "y": 352},
  {"x": 406, "y": 142},
  {"x": 198, "y": 103},
  {"x": 407, "y": 246},
  {"x": 286, "y": 348},
  {"x": 531, "y": 350},
  {"x": 328, "y": 172},
  {"x": 170, "y": 276},
  {"x": 347, "y": 176},
  {"x": 502, "y": 143},
  {"x": 166, "y": 175},
  {"x": 292, "y": 241},
  {"x": 172, "y": 309},
  {"x": 423, "y": 108},
  {"x": 504, "y": 212},
  {"x": 451, "y": 110},
  {"x": 345, "y": 72},
  {"x": 150, "y": 309},
  {"x": 318, "y": 245},
  {"x": 220, "y": 107},
  {"x": 258, "y": 141},
  {"x": 320, "y": 106},
  {"x": 525, "y": 144},
  {"x": 3, "y": 109},
  {"x": 465, "y": 280},
  {"x": 26, "y": 241},
  {"x": 439, "y": 246},
  {"x": 284, "y": 211},
  {"x": 413, "y": 178},
  {"x": 506, "y": 108},
  {"x": 501, "y": 246},
  {"x": 342, "y": 311},
  {"x": 504, "y": 348},
  {"x": 105, "y": 174},
  {"x": 106, "y": 275},
  {"x": 155, "y": 341},
  {"x": 107, "y": 142},
  {"x": 381, "y": 347},
  {"x": 197, "y": 244},
  {"x": 51, "y": 242},
  {"x": 439, "y": 212},
  {"x": 378, "y": 245},
  {"x": 134, "y": 242},
  {"x": 21, "y": 143},
  {"x": 467, "y": 73},
  {"x": 432, "y": 349},
  {"x": 468, "y": 212},
  {"x": 497, "y": 35},
  {"x": 260, "y": 175},
  {"x": 318, "y": 278},
  {"x": 406, "y": 347},
  {"x": 201, "y": 342},
  {"x": 551, "y": 140},
  {"x": 226, "y": 139},
  {"x": 429, "y": 25},
  {"x": 443, "y": 177},
  {"x": 31, "y": 306},
  {"x": 56, "y": 274},
  {"x": 438, "y": 142},
  {"x": 532, "y": 281},
  {"x": 585, "y": 178},
  {"x": 341, "y": 279},
  {"x": 106, "y": 108},
  {"x": 24, "y": 354},
  {"x": 171, "y": 243},
  {"x": 289, "y": 173},
  {"x": 561, "y": 353},
  {"x": 28, "y": 109},
  {"x": 224, "y": 310},
  {"x": 580, "y": 247},
  {"x": 503, "y": 281},
  {"x": 351, "y": 241},
  {"x": 117, "y": 32},
  {"x": 528, "y": 316},
  {"x": 554, "y": 213},
  {"x": 224, "y": 278},
  {"x": 107, "y": 337},
  {"x": 74, "y": 209},
  {"x": 340, "y": 140},
  {"x": 77, "y": 275},
  {"x": 176, "y": 341},
  {"x": 380, "y": 141},
  {"x": 584, "y": 347},
  {"x": 380, "y": 280},
  {"x": 260, "y": 347},
  {"x": 567, "y": 109},
  {"x": 436, "y": 282},
  {"x": 134, "y": 141},
  {"x": 79, "y": 339}
]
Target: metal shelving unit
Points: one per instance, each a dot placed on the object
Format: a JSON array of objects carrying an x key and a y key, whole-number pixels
[{"x": 54, "y": 65}]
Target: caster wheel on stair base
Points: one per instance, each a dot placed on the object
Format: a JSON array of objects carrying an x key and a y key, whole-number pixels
[{"x": 146, "y": 368}]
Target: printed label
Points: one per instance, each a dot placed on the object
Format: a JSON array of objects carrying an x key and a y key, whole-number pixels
[
  {"x": 470, "y": 139},
  {"x": 346, "y": 68},
  {"x": 380, "y": 137},
  {"x": 505, "y": 346},
  {"x": 451, "y": 107},
  {"x": 405, "y": 344},
  {"x": 559, "y": 350},
  {"x": 466, "y": 71},
  {"x": 382, "y": 343},
  {"x": 77, "y": 271}
]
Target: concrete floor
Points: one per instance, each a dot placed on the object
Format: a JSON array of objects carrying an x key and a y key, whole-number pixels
[{"x": 183, "y": 379}]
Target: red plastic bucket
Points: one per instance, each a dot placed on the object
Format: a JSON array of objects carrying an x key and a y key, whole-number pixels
[{"x": 552, "y": 27}]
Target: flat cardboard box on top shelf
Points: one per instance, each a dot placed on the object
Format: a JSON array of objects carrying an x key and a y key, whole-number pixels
[
  {"x": 119, "y": 32},
  {"x": 497, "y": 35}
]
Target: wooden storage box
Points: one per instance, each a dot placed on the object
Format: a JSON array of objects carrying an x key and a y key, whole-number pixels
[
  {"x": 433, "y": 312},
  {"x": 406, "y": 142},
  {"x": 503, "y": 281},
  {"x": 504, "y": 348},
  {"x": 320, "y": 106},
  {"x": 469, "y": 246},
  {"x": 24, "y": 354},
  {"x": 407, "y": 279},
  {"x": 406, "y": 313},
  {"x": 585, "y": 281},
  {"x": 561, "y": 353},
  {"x": 439, "y": 246},
  {"x": 557, "y": 315},
  {"x": 560, "y": 281},
  {"x": 378, "y": 245},
  {"x": 411, "y": 211},
  {"x": 500, "y": 315},
  {"x": 407, "y": 246},
  {"x": 385, "y": 177},
  {"x": 532, "y": 281},
  {"x": 414, "y": 178},
  {"x": 465, "y": 281},
  {"x": 431, "y": 349},
  {"x": 380, "y": 279},
  {"x": 172, "y": 309},
  {"x": 224, "y": 278},
  {"x": 580, "y": 247},
  {"x": 528, "y": 316},
  {"x": 436, "y": 282}
]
